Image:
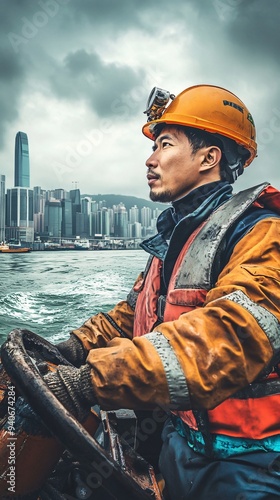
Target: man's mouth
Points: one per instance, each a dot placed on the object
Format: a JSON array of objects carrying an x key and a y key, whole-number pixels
[{"x": 152, "y": 178}]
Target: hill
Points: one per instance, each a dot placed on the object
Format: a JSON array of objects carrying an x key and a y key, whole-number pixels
[{"x": 128, "y": 201}]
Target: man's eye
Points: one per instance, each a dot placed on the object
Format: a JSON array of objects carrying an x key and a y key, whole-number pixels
[{"x": 165, "y": 143}]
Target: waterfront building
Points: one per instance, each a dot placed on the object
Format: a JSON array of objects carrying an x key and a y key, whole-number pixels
[
  {"x": 53, "y": 219},
  {"x": 92, "y": 224},
  {"x": 135, "y": 230},
  {"x": 86, "y": 205},
  {"x": 99, "y": 223},
  {"x": 39, "y": 195},
  {"x": 156, "y": 212},
  {"x": 82, "y": 225},
  {"x": 134, "y": 214},
  {"x": 153, "y": 225},
  {"x": 146, "y": 216},
  {"x": 66, "y": 221},
  {"x": 83, "y": 221},
  {"x": 103, "y": 222},
  {"x": 39, "y": 223},
  {"x": 93, "y": 206},
  {"x": 120, "y": 221},
  {"x": 75, "y": 197},
  {"x": 19, "y": 214},
  {"x": 22, "y": 170},
  {"x": 2, "y": 208},
  {"x": 111, "y": 221}
]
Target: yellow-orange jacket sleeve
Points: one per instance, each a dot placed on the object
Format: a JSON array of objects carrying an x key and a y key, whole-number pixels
[{"x": 206, "y": 355}]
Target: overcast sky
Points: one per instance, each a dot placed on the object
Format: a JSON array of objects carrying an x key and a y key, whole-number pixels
[{"x": 76, "y": 75}]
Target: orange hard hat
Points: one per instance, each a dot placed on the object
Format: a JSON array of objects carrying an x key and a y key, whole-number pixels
[{"x": 207, "y": 107}]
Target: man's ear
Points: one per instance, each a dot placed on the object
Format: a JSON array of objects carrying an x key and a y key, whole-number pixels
[{"x": 211, "y": 158}]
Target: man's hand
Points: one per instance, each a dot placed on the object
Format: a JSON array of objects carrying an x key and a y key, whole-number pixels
[
  {"x": 73, "y": 350},
  {"x": 73, "y": 388}
]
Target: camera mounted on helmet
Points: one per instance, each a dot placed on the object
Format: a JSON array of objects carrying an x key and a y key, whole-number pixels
[{"x": 157, "y": 102}]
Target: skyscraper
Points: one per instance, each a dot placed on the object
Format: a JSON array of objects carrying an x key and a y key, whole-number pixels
[
  {"x": 66, "y": 221},
  {"x": 2, "y": 208},
  {"x": 19, "y": 214},
  {"x": 75, "y": 197},
  {"x": 120, "y": 221},
  {"x": 22, "y": 173},
  {"x": 53, "y": 218},
  {"x": 19, "y": 207}
]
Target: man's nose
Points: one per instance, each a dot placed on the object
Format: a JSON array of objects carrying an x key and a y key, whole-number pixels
[{"x": 152, "y": 160}]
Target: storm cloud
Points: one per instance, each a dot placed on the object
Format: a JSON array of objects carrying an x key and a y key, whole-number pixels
[{"x": 75, "y": 76}]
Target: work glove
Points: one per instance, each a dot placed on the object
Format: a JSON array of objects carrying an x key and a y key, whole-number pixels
[
  {"x": 73, "y": 388},
  {"x": 73, "y": 350}
]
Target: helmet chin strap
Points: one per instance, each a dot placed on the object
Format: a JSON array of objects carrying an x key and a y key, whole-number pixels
[
  {"x": 233, "y": 171},
  {"x": 236, "y": 157}
]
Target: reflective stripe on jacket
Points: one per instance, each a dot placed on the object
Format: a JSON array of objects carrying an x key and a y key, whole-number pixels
[{"x": 253, "y": 413}]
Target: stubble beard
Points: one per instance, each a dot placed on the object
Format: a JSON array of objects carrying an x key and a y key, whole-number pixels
[{"x": 163, "y": 197}]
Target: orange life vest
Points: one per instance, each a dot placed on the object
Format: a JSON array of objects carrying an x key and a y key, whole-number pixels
[{"x": 254, "y": 412}]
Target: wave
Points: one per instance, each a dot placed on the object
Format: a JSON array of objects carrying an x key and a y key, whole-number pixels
[{"x": 53, "y": 294}]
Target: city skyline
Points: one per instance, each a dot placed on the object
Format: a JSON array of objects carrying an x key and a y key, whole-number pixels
[
  {"x": 22, "y": 178},
  {"x": 76, "y": 77},
  {"x": 28, "y": 214},
  {"x": 59, "y": 214}
]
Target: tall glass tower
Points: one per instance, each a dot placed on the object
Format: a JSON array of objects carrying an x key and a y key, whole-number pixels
[
  {"x": 2, "y": 208},
  {"x": 22, "y": 174}
]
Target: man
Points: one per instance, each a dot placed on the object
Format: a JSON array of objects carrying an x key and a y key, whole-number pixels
[{"x": 199, "y": 333}]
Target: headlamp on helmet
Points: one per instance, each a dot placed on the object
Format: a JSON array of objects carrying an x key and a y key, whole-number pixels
[{"x": 157, "y": 102}]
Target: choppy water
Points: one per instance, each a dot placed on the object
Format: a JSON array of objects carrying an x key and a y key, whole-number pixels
[{"x": 51, "y": 293}]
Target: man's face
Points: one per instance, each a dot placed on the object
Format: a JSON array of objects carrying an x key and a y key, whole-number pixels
[{"x": 173, "y": 170}]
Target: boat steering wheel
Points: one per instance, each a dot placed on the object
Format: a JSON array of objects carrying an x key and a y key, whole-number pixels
[{"x": 22, "y": 354}]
